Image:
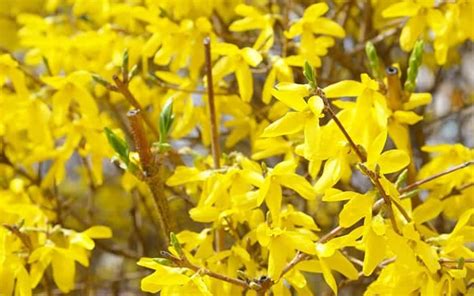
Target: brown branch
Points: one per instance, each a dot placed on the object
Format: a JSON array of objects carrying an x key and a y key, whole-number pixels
[
  {"x": 433, "y": 177},
  {"x": 23, "y": 68},
  {"x": 374, "y": 177},
  {"x": 331, "y": 112},
  {"x": 214, "y": 127},
  {"x": 122, "y": 87},
  {"x": 152, "y": 171},
  {"x": 457, "y": 190},
  {"x": 212, "y": 109},
  {"x": 184, "y": 262},
  {"x": 166, "y": 85}
]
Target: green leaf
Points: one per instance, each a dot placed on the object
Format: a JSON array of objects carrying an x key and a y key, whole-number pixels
[
  {"x": 175, "y": 243},
  {"x": 461, "y": 263},
  {"x": 166, "y": 120},
  {"x": 163, "y": 261},
  {"x": 100, "y": 80},
  {"x": 371, "y": 53},
  {"x": 414, "y": 63},
  {"x": 402, "y": 178},
  {"x": 308, "y": 72},
  {"x": 125, "y": 61},
  {"x": 133, "y": 72},
  {"x": 119, "y": 145}
]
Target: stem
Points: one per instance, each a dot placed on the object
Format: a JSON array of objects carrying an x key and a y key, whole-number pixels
[
  {"x": 184, "y": 262},
  {"x": 122, "y": 88},
  {"x": 438, "y": 175},
  {"x": 331, "y": 112},
  {"x": 212, "y": 109},
  {"x": 219, "y": 235},
  {"x": 374, "y": 177},
  {"x": 394, "y": 89},
  {"x": 458, "y": 190},
  {"x": 152, "y": 171}
]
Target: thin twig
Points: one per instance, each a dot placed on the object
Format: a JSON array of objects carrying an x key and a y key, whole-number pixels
[
  {"x": 331, "y": 112},
  {"x": 457, "y": 190},
  {"x": 212, "y": 109},
  {"x": 214, "y": 127},
  {"x": 122, "y": 87},
  {"x": 433, "y": 177},
  {"x": 374, "y": 177}
]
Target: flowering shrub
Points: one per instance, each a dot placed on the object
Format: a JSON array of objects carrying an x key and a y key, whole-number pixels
[{"x": 234, "y": 148}]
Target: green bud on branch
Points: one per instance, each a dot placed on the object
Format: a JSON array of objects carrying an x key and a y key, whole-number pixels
[
  {"x": 125, "y": 61},
  {"x": 371, "y": 53},
  {"x": 176, "y": 245},
  {"x": 413, "y": 66},
  {"x": 166, "y": 121},
  {"x": 308, "y": 72},
  {"x": 402, "y": 178},
  {"x": 119, "y": 145},
  {"x": 163, "y": 261}
]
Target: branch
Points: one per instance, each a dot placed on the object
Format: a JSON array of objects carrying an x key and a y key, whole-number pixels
[
  {"x": 214, "y": 127},
  {"x": 212, "y": 109},
  {"x": 374, "y": 177},
  {"x": 438, "y": 175},
  {"x": 151, "y": 170},
  {"x": 331, "y": 112},
  {"x": 122, "y": 87}
]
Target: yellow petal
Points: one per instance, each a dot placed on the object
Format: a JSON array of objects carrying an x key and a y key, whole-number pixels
[
  {"x": 312, "y": 138},
  {"x": 328, "y": 27},
  {"x": 355, "y": 209},
  {"x": 407, "y": 117},
  {"x": 185, "y": 174},
  {"x": 300, "y": 242},
  {"x": 64, "y": 270},
  {"x": 428, "y": 255},
  {"x": 374, "y": 251},
  {"x": 428, "y": 210},
  {"x": 290, "y": 123},
  {"x": 251, "y": 56},
  {"x": 273, "y": 200},
  {"x": 376, "y": 147},
  {"x": 268, "y": 86},
  {"x": 316, "y": 105},
  {"x": 399, "y": 134},
  {"x": 411, "y": 32},
  {"x": 98, "y": 232},
  {"x": 204, "y": 214},
  {"x": 277, "y": 257},
  {"x": 345, "y": 88},
  {"x": 225, "y": 48},
  {"x": 331, "y": 175},
  {"x": 245, "y": 81},
  {"x": 298, "y": 184},
  {"x": 416, "y": 100},
  {"x": 291, "y": 94},
  {"x": 327, "y": 275},
  {"x": 340, "y": 263},
  {"x": 315, "y": 10},
  {"x": 337, "y": 195},
  {"x": 393, "y": 161},
  {"x": 404, "y": 8}
]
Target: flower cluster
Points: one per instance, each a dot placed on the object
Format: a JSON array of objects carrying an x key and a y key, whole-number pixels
[{"x": 233, "y": 149}]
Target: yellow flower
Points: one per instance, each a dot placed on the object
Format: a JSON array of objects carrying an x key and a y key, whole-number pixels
[
  {"x": 255, "y": 20},
  {"x": 236, "y": 60},
  {"x": 306, "y": 118},
  {"x": 281, "y": 245},
  {"x": 312, "y": 22},
  {"x": 282, "y": 175}
]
